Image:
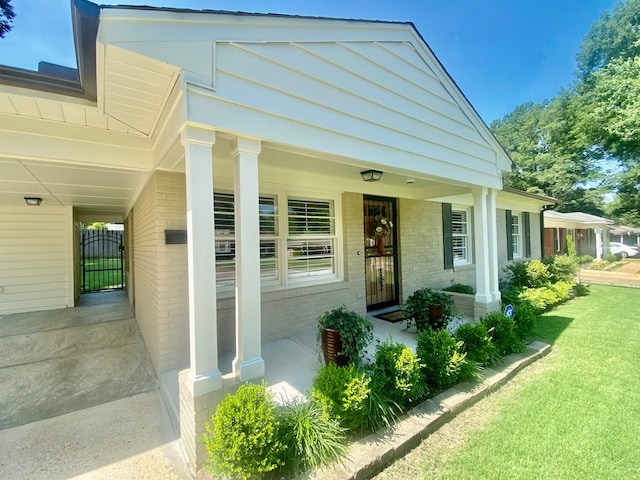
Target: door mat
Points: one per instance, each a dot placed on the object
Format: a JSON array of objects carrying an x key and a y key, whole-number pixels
[{"x": 393, "y": 317}]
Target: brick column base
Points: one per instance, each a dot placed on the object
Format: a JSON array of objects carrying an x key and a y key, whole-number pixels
[{"x": 480, "y": 309}]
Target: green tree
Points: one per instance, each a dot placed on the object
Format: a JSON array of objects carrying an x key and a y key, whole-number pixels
[
  {"x": 6, "y": 17},
  {"x": 608, "y": 95},
  {"x": 550, "y": 155}
]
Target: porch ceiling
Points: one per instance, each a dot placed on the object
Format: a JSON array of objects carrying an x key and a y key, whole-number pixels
[{"x": 94, "y": 189}]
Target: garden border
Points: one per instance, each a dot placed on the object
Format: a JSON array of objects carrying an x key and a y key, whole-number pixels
[{"x": 372, "y": 453}]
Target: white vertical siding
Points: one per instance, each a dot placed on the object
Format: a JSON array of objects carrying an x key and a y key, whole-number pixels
[{"x": 36, "y": 258}]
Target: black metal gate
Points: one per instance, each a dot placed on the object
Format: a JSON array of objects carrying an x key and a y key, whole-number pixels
[{"x": 101, "y": 260}]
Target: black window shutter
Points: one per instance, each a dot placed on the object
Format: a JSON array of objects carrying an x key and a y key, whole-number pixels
[
  {"x": 447, "y": 236},
  {"x": 509, "y": 235},
  {"x": 527, "y": 234}
]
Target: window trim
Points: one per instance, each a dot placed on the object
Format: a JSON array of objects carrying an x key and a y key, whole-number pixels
[
  {"x": 282, "y": 280},
  {"x": 468, "y": 260},
  {"x": 517, "y": 253}
]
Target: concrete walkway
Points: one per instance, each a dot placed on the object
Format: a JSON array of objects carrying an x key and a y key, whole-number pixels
[
  {"x": 58, "y": 361},
  {"x": 627, "y": 275},
  {"x": 126, "y": 439}
]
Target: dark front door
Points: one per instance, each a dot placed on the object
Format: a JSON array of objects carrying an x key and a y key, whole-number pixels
[{"x": 380, "y": 252}]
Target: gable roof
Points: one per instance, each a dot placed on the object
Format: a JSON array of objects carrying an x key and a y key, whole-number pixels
[{"x": 576, "y": 219}]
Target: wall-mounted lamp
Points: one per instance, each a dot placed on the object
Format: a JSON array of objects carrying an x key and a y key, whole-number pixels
[
  {"x": 33, "y": 201},
  {"x": 371, "y": 175}
]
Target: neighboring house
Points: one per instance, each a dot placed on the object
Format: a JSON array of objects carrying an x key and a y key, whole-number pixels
[
  {"x": 624, "y": 234},
  {"x": 587, "y": 231},
  {"x": 233, "y": 147}
]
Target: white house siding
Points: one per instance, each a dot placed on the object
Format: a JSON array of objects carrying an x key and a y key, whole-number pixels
[
  {"x": 421, "y": 249},
  {"x": 160, "y": 271},
  {"x": 36, "y": 258},
  {"x": 362, "y": 90}
]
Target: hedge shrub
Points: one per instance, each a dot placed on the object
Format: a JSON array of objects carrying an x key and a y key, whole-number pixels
[
  {"x": 477, "y": 344},
  {"x": 443, "y": 362},
  {"x": 503, "y": 333},
  {"x": 396, "y": 372},
  {"x": 242, "y": 436}
]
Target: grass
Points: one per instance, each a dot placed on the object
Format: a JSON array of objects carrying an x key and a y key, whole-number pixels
[
  {"x": 572, "y": 415},
  {"x": 102, "y": 279}
]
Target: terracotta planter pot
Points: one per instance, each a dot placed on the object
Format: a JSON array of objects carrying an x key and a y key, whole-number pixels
[
  {"x": 331, "y": 348},
  {"x": 436, "y": 312}
]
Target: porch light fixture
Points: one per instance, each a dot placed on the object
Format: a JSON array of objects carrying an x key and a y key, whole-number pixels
[
  {"x": 371, "y": 175},
  {"x": 33, "y": 201}
]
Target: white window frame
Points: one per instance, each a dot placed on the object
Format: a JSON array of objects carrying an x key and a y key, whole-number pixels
[
  {"x": 281, "y": 237},
  {"x": 516, "y": 238},
  {"x": 467, "y": 259}
]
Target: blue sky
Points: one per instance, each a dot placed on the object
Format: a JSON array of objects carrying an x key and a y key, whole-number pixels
[{"x": 501, "y": 53}]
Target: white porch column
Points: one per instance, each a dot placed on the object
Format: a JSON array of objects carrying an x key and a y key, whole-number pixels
[
  {"x": 599, "y": 243},
  {"x": 481, "y": 233},
  {"x": 204, "y": 375},
  {"x": 492, "y": 235},
  {"x": 248, "y": 362}
]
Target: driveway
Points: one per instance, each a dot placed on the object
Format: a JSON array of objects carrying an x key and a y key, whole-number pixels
[{"x": 627, "y": 275}]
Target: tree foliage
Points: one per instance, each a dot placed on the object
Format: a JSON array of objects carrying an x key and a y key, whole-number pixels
[
  {"x": 7, "y": 15},
  {"x": 587, "y": 139}
]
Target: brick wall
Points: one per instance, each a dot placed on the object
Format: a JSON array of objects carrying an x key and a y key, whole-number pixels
[
  {"x": 160, "y": 271},
  {"x": 421, "y": 250}
]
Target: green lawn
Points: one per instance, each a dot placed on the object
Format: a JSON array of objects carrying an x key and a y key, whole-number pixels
[
  {"x": 575, "y": 414},
  {"x": 102, "y": 280}
]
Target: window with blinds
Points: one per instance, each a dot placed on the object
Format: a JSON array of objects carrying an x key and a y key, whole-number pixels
[
  {"x": 516, "y": 235},
  {"x": 308, "y": 249},
  {"x": 225, "y": 245},
  {"x": 311, "y": 237},
  {"x": 461, "y": 236}
]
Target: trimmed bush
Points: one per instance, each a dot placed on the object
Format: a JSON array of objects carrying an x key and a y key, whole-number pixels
[
  {"x": 570, "y": 247},
  {"x": 538, "y": 274},
  {"x": 312, "y": 437},
  {"x": 563, "y": 268},
  {"x": 525, "y": 319},
  {"x": 503, "y": 333},
  {"x": 443, "y": 363},
  {"x": 343, "y": 392},
  {"x": 517, "y": 275},
  {"x": 460, "y": 288},
  {"x": 477, "y": 344},
  {"x": 585, "y": 259},
  {"x": 580, "y": 289},
  {"x": 610, "y": 257},
  {"x": 396, "y": 372},
  {"x": 242, "y": 435}
]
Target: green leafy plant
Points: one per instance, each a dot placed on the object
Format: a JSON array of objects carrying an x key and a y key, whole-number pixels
[
  {"x": 343, "y": 392},
  {"x": 460, "y": 288},
  {"x": 503, "y": 333},
  {"x": 525, "y": 319},
  {"x": 477, "y": 344},
  {"x": 581, "y": 289},
  {"x": 517, "y": 276},
  {"x": 610, "y": 257},
  {"x": 242, "y": 436},
  {"x": 356, "y": 332},
  {"x": 443, "y": 363},
  {"x": 562, "y": 268},
  {"x": 312, "y": 437},
  {"x": 585, "y": 259},
  {"x": 417, "y": 309},
  {"x": 396, "y": 372},
  {"x": 570, "y": 247},
  {"x": 348, "y": 394}
]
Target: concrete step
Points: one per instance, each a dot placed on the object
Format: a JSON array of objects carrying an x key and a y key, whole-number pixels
[
  {"x": 47, "y": 388},
  {"x": 47, "y": 345}
]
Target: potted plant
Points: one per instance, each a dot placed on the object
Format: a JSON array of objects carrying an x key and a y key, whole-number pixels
[
  {"x": 429, "y": 308},
  {"x": 344, "y": 335}
]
